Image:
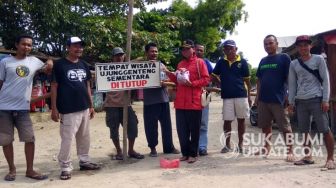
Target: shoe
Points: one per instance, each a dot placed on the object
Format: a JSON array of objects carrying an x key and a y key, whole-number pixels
[
  {"x": 226, "y": 150},
  {"x": 153, "y": 153},
  {"x": 203, "y": 152}
]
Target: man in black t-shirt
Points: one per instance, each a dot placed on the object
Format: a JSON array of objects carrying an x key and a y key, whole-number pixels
[
  {"x": 72, "y": 104},
  {"x": 272, "y": 76}
]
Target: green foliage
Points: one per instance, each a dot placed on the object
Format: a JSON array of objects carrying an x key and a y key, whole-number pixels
[
  {"x": 211, "y": 20},
  {"x": 102, "y": 25},
  {"x": 253, "y": 72}
]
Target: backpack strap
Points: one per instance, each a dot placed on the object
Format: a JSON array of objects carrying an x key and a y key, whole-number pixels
[{"x": 313, "y": 72}]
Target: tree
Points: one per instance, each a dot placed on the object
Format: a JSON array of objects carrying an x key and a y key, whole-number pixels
[
  {"x": 211, "y": 20},
  {"x": 100, "y": 23},
  {"x": 159, "y": 27}
]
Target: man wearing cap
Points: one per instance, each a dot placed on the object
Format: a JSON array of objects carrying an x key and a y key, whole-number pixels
[
  {"x": 309, "y": 92},
  {"x": 156, "y": 109},
  {"x": 72, "y": 104},
  {"x": 190, "y": 77},
  {"x": 203, "y": 140},
  {"x": 16, "y": 79},
  {"x": 235, "y": 91},
  {"x": 272, "y": 76},
  {"x": 114, "y": 103}
]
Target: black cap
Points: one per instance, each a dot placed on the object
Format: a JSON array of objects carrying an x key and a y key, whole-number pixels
[{"x": 188, "y": 44}]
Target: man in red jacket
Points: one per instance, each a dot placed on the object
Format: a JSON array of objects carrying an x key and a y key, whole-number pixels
[{"x": 190, "y": 77}]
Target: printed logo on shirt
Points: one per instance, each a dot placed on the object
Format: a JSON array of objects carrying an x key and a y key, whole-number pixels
[
  {"x": 76, "y": 75},
  {"x": 22, "y": 71},
  {"x": 269, "y": 66},
  {"x": 239, "y": 65}
]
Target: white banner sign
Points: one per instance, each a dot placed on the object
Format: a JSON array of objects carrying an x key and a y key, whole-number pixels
[{"x": 127, "y": 75}]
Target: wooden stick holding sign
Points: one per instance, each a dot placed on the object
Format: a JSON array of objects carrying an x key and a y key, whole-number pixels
[{"x": 128, "y": 58}]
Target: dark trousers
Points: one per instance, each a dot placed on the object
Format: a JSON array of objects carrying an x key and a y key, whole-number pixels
[
  {"x": 153, "y": 114},
  {"x": 188, "y": 123}
]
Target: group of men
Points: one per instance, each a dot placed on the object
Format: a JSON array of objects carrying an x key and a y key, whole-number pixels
[{"x": 71, "y": 101}]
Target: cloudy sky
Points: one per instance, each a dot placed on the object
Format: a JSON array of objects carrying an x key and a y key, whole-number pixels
[{"x": 278, "y": 17}]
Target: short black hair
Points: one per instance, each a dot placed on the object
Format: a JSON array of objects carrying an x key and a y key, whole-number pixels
[
  {"x": 23, "y": 36},
  {"x": 149, "y": 45},
  {"x": 275, "y": 38}
]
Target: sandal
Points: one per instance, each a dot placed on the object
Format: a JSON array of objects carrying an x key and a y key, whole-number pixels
[
  {"x": 119, "y": 157},
  {"x": 226, "y": 150},
  {"x": 304, "y": 161},
  {"x": 88, "y": 166},
  {"x": 10, "y": 177},
  {"x": 183, "y": 158},
  {"x": 65, "y": 175},
  {"x": 37, "y": 176},
  {"x": 192, "y": 159},
  {"x": 136, "y": 156}
]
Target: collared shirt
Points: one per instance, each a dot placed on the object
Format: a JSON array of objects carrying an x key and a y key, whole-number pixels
[{"x": 232, "y": 75}]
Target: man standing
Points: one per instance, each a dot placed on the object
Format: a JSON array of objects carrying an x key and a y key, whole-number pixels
[
  {"x": 203, "y": 140},
  {"x": 271, "y": 94},
  {"x": 16, "y": 78},
  {"x": 71, "y": 103},
  {"x": 114, "y": 103},
  {"x": 309, "y": 91},
  {"x": 235, "y": 91},
  {"x": 156, "y": 108}
]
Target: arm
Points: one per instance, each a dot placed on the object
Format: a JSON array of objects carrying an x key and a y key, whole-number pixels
[
  {"x": 258, "y": 92},
  {"x": 92, "y": 112},
  {"x": 54, "y": 111},
  {"x": 215, "y": 78},
  {"x": 323, "y": 70},
  {"x": 170, "y": 75},
  {"x": 1, "y": 82},
  {"x": 204, "y": 79},
  {"x": 47, "y": 68},
  {"x": 291, "y": 88},
  {"x": 215, "y": 74},
  {"x": 248, "y": 84}
]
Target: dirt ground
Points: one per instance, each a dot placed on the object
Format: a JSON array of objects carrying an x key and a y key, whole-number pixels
[{"x": 214, "y": 170}]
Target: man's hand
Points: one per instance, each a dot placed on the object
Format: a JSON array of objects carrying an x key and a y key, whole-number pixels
[
  {"x": 290, "y": 109},
  {"x": 188, "y": 83},
  {"x": 92, "y": 113},
  {"x": 255, "y": 103},
  {"x": 325, "y": 106},
  {"x": 249, "y": 101},
  {"x": 54, "y": 115},
  {"x": 48, "y": 66}
]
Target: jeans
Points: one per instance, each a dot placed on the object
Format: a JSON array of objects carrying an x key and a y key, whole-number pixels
[{"x": 203, "y": 140}]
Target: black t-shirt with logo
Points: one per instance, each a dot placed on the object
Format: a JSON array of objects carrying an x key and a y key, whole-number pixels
[
  {"x": 272, "y": 74},
  {"x": 72, "y": 91}
]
